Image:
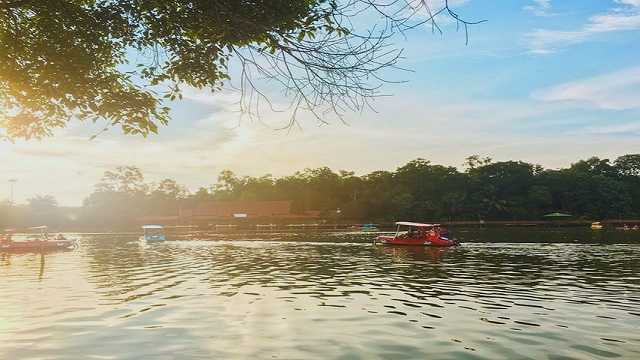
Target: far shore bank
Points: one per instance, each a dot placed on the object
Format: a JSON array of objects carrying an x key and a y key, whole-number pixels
[{"x": 380, "y": 226}]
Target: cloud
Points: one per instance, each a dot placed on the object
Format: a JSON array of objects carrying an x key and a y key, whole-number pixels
[
  {"x": 628, "y": 129},
  {"x": 624, "y": 18},
  {"x": 405, "y": 127},
  {"x": 619, "y": 90},
  {"x": 539, "y": 7},
  {"x": 68, "y": 164},
  {"x": 629, "y": 2}
]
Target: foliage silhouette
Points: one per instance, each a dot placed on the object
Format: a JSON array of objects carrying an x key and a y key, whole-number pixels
[
  {"x": 419, "y": 190},
  {"x": 117, "y": 61}
]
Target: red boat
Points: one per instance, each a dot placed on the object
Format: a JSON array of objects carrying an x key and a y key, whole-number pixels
[
  {"x": 417, "y": 234},
  {"x": 43, "y": 242}
]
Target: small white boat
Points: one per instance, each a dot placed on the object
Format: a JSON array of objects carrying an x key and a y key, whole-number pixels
[{"x": 153, "y": 233}]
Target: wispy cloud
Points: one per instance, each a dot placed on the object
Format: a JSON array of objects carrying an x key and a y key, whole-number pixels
[
  {"x": 629, "y": 2},
  {"x": 629, "y": 129},
  {"x": 414, "y": 125},
  {"x": 194, "y": 155},
  {"x": 624, "y": 17},
  {"x": 619, "y": 90},
  {"x": 539, "y": 7}
]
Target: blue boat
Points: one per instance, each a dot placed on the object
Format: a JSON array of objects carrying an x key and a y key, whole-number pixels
[
  {"x": 369, "y": 228},
  {"x": 153, "y": 233}
]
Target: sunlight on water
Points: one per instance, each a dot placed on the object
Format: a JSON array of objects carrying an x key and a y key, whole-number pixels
[{"x": 330, "y": 298}]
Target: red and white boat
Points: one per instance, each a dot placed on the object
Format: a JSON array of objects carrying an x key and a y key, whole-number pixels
[
  {"x": 41, "y": 242},
  {"x": 417, "y": 234}
]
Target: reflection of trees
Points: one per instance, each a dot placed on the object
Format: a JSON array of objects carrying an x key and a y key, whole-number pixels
[
  {"x": 541, "y": 234},
  {"x": 497, "y": 276},
  {"x": 117, "y": 265}
]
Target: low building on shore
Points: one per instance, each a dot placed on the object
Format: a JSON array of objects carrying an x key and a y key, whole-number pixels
[{"x": 222, "y": 212}]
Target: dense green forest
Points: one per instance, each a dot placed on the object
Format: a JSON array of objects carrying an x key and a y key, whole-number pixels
[{"x": 419, "y": 190}]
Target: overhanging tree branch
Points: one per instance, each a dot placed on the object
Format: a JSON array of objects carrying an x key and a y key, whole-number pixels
[{"x": 66, "y": 60}]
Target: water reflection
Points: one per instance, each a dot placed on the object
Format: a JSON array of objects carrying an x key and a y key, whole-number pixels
[{"x": 119, "y": 298}]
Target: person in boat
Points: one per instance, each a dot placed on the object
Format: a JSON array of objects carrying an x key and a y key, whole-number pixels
[
  {"x": 443, "y": 233},
  {"x": 435, "y": 231}
]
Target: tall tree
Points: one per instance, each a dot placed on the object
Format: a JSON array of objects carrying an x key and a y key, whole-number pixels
[
  {"x": 43, "y": 203},
  {"x": 628, "y": 165},
  {"x": 124, "y": 179},
  {"x": 119, "y": 198}
]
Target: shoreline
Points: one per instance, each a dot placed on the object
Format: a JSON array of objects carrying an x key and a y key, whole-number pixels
[{"x": 346, "y": 228}]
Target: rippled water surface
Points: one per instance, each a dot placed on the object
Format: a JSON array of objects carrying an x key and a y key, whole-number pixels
[{"x": 115, "y": 298}]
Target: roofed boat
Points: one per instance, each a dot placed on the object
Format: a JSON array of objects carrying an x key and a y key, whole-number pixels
[
  {"x": 42, "y": 241},
  {"x": 417, "y": 234},
  {"x": 153, "y": 233}
]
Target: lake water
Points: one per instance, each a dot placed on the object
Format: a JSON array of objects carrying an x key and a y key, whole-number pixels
[{"x": 326, "y": 296}]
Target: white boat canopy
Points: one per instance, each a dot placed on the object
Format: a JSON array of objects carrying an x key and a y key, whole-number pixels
[
  {"x": 152, "y": 227},
  {"x": 39, "y": 227},
  {"x": 406, "y": 223}
]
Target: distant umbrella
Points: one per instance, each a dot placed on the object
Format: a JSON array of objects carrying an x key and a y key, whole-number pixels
[{"x": 557, "y": 215}]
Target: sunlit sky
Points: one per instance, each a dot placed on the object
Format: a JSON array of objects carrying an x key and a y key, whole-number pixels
[{"x": 544, "y": 81}]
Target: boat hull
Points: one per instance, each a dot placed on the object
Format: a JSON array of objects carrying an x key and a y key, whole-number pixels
[
  {"x": 419, "y": 241},
  {"x": 38, "y": 245},
  {"x": 153, "y": 238}
]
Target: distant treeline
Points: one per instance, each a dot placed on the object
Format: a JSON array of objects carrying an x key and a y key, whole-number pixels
[{"x": 483, "y": 190}]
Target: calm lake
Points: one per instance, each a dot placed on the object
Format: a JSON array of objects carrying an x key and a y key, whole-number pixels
[{"x": 326, "y": 296}]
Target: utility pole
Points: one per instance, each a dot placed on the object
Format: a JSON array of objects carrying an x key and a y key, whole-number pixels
[{"x": 11, "y": 185}]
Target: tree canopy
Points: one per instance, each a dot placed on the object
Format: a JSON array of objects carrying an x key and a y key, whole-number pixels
[
  {"x": 117, "y": 61},
  {"x": 419, "y": 190}
]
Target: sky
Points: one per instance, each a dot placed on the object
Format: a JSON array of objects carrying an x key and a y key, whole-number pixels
[{"x": 543, "y": 81}]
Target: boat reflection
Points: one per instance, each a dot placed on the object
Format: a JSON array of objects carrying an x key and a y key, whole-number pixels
[
  {"x": 402, "y": 253},
  {"x": 38, "y": 259}
]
